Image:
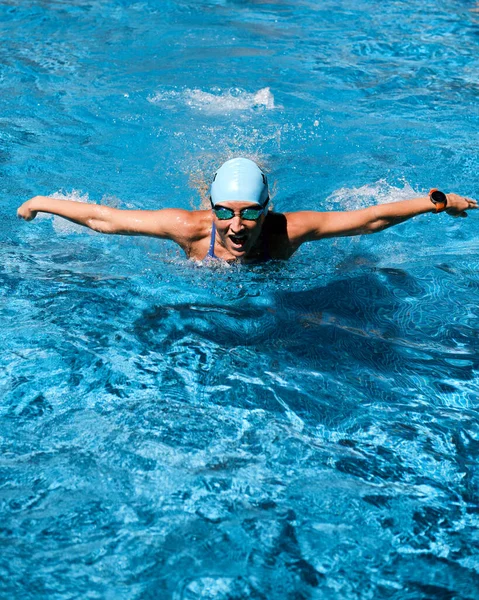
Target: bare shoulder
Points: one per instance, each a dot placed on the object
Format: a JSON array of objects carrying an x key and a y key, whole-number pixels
[
  {"x": 187, "y": 228},
  {"x": 172, "y": 223},
  {"x": 192, "y": 230},
  {"x": 195, "y": 233},
  {"x": 195, "y": 225}
]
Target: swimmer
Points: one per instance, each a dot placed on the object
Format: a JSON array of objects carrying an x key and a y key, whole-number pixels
[{"x": 240, "y": 225}]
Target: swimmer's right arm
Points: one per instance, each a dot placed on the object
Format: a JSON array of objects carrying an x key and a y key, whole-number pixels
[{"x": 167, "y": 223}]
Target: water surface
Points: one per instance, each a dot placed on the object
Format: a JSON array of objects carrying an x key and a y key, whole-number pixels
[{"x": 298, "y": 430}]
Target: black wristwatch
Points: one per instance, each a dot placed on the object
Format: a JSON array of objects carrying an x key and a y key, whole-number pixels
[{"x": 439, "y": 199}]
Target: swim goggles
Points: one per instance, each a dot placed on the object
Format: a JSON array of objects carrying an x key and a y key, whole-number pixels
[{"x": 248, "y": 214}]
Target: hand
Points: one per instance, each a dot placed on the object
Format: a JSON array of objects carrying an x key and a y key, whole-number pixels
[
  {"x": 25, "y": 211},
  {"x": 457, "y": 205}
]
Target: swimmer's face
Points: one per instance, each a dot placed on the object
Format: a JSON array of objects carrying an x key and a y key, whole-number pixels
[{"x": 238, "y": 235}]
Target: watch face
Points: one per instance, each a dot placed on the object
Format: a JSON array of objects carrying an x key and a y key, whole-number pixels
[{"x": 438, "y": 197}]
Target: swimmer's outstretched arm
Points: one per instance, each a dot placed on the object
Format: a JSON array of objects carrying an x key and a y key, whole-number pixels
[
  {"x": 169, "y": 223},
  {"x": 310, "y": 226}
]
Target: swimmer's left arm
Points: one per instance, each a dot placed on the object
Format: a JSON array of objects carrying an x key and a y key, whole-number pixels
[{"x": 310, "y": 226}]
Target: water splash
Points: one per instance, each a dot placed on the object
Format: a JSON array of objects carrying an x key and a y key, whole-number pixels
[
  {"x": 380, "y": 192},
  {"x": 63, "y": 226},
  {"x": 234, "y": 99}
]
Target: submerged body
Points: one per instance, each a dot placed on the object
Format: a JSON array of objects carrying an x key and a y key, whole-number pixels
[{"x": 239, "y": 225}]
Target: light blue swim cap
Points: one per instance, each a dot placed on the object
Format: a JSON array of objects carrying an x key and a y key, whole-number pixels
[{"x": 239, "y": 179}]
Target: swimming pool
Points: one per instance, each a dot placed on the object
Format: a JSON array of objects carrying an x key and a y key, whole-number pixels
[{"x": 298, "y": 430}]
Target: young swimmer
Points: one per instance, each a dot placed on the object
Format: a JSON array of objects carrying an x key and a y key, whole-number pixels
[{"x": 240, "y": 226}]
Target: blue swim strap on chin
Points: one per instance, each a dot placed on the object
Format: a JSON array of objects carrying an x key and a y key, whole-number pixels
[{"x": 240, "y": 180}]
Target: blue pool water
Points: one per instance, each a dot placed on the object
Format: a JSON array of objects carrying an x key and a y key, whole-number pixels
[{"x": 306, "y": 430}]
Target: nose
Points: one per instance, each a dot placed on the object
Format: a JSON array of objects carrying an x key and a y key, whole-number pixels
[{"x": 236, "y": 224}]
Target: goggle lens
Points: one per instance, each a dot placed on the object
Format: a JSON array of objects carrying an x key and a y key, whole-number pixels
[
  {"x": 251, "y": 214},
  {"x": 223, "y": 214}
]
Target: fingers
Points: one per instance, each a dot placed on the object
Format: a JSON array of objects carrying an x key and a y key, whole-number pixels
[
  {"x": 24, "y": 212},
  {"x": 26, "y": 215},
  {"x": 459, "y": 205},
  {"x": 471, "y": 203}
]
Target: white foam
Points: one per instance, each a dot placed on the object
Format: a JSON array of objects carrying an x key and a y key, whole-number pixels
[
  {"x": 74, "y": 196},
  {"x": 61, "y": 225},
  {"x": 234, "y": 99},
  {"x": 380, "y": 192}
]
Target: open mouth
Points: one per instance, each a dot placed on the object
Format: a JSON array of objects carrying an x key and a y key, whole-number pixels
[{"x": 238, "y": 240}]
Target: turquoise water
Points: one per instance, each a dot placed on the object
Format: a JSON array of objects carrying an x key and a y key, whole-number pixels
[{"x": 306, "y": 430}]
